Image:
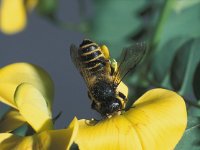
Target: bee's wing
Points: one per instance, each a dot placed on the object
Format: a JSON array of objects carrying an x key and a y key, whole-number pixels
[
  {"x": 79, "y": 65},
  {"x": 74, "y": 55},
  {"x": 129, "y": 58}
]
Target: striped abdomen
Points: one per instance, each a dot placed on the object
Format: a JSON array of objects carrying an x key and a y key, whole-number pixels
[{"x": 91, "y": 55}]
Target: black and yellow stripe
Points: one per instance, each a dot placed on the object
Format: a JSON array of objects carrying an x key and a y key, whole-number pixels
[{"x": 91, "y": 56}]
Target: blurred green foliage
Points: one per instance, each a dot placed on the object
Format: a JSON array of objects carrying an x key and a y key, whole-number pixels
[
  {"x": 114, "y": 22},
  {"x": 47, "y": 8},
  {"x": 196, "y": 82},
  {"x": 171, "y": 29}
]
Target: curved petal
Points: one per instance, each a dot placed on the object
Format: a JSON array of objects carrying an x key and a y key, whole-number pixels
[
  {"x": 33, "y": 107},
  {"x": 47, "y": 140},
  {"x": 14, "y": 74},
  {"x": 12, "y": 16},
  {"x": 159, "y": 118},
  {"x": 114, "y": 133},
  {"x": 60, "y": 139},
  {"x": 11, "y": 121},
  {"x": 9, "y": 141},
  {"x": 156, "y": 121}
]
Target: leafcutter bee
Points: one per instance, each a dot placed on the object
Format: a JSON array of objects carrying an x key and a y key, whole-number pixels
[{"x": 104, "y": 75}]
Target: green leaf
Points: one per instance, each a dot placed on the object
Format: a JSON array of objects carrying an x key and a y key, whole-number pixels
[
  {"x": 178, "y": 28},
  {"x": 183, "y": 4},
  {"x": 114, "y": 22},
  {"x": 180, "y": 64},
  {"x": 184, "y": 24},
  {"x": 162, "y": 59},
  {"x": 190, "y": 139},
  {"x": 196, "y": 82},
  {"x": 194, "y": 59},
  {"x": 194, "y": 111}
]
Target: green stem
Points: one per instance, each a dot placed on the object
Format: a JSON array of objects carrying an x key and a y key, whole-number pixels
[
  {"x": 164, "y": 14},
  {"x": 166, "y": 11},
  {"x": 187, "y": 74}
]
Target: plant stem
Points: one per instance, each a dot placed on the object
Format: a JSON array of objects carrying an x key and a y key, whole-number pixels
[{"x": 164, "y": 14}]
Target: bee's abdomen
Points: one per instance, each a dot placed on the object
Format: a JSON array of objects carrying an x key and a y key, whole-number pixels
[{"x": 91, "y": 56}]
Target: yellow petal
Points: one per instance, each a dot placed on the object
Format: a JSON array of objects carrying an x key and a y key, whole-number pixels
[
  {"x": 11, "y": 121},
  {"x": 14, "y": 74},
  {"x": 159, "y": 118},
  {"x": 115, "y": 133},
  {"x": 156, "y": 121},
  {"x": 47, "y": 140},
  {"x": 9, "y": 141},
  {"x": 12, "y": 16},
  {"x": 60, "y": 139},
  {"x": 33, "y": 107},
  {"x": 4, "y": 136},
  {"x": 31, "y": 4}
]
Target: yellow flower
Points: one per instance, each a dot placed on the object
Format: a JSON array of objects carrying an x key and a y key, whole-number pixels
[
  {"x": 14, "y": 74},
  {"x": 33, "y": 108},
  {"x": 28, "y": 89},
  {"x": 11, "y": 77},
  {"x": 156, "y": 121},
  {"x": 46, "y": 140},
  {"x": 13, "y": 14},
  {"x": 11, "y": 121}
]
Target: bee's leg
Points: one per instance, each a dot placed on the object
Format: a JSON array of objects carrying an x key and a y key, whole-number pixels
[
  {"x": 92, "y": 122},
  {"x": 93, "y": 106},
  {"x": 96, "y": 106},
  {"x": 89, "y": 95},
  {"x": 126, "y": 100},
  {"x": 132, "y": 107},
  {"x": 108, "y": 115}
]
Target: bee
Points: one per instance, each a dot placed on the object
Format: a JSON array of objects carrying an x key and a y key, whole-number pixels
[{"x": 103, "y": 75}]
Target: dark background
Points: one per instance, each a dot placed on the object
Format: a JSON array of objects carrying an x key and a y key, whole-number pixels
[{"x": 46, "y": 45}]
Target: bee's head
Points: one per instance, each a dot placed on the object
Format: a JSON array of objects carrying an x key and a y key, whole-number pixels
[{"x": 110, "y": 107}]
